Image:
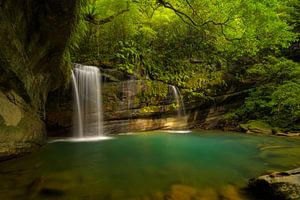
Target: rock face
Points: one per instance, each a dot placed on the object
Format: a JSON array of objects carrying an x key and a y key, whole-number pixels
[
  {"x": 257, "y": 127},
  {"x": 128, "y": 105},
  {"x": 205, "y": 115},
  {"x": 135, "y": 105},
  {"x": 277, "y": 186},
  {"x": 33, "y": 39},
  {"x": 20, "y": 127},
  {"x": 59, "y": 112}
]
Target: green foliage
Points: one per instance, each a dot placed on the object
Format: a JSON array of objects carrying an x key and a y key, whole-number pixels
[
  {"x": 78, "y": 31},
  {"x": 256, "y": 124},
  {"x": 197, "y": 45},
  {"x": 152, "y": 92},
  {"x": 277, "y": 101},
  {"x": 128, "y": 57},
  {"x": 285, "y": 104},
  {"x": 276, "y": 70},
  {"x": 157, "y": 42}
]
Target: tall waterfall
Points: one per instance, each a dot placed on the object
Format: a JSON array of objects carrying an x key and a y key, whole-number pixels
[{"x": 87, "y": 101}]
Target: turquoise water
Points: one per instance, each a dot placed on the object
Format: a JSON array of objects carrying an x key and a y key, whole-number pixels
[{"x": 147, "y": 166}]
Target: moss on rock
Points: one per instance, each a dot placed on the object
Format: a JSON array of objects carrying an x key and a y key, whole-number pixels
[
  {"x": 34, "y": 40},
  {"x": 21, "y": 129},
  {"x": 257, "y": 126}
]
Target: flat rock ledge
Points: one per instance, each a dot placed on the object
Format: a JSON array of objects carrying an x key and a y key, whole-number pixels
[
  {"x": 277, "y": 186},
  {"x": 288, "y": 134}
]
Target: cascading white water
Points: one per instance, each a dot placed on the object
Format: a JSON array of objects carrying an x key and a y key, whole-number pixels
[
  {"x": 77, "y": 119},
  {"x": 179, "y": 102},
  {"x": 87, "y": 101},
  {"x": 180, "y": 123}
]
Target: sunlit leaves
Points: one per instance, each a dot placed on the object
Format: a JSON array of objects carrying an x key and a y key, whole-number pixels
[
  {"x": 277, "y": 99},
  {"x": 188, "y": 43}
]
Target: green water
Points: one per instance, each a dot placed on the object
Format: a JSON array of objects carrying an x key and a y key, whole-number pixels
[{"x": 146, "y": 166}]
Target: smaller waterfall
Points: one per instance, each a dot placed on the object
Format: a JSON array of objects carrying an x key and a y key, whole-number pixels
[
  {"x": 87, "y": 101},
  {"x": 127, "y": 103},
  {"x": 181, "y": 121},
  {"x": 179, "y": 101}
]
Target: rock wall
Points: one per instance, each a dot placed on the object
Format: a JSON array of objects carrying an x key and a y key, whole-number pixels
[
  {"x": 21, "y": 129},
  {"x": 128, "y": 105},
  {"x": 34, "y": 36},
  {"x": 210, "y": 115},
  {"x": 133, "y": 105}
]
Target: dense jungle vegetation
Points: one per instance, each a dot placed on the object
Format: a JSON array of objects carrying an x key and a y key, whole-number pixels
[{"x": 207, "y": 48}]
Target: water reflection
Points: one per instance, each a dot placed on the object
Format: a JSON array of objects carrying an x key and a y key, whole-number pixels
[{"x": 147, "y": 166}]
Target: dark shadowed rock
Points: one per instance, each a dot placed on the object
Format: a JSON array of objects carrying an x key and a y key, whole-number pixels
[
  {"x": 34, "y": 36},
  {"x": 277, "y": 186},
  {"x": 21, "y": 129}
]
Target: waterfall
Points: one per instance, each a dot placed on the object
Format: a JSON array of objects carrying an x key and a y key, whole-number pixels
[
  {"x": 179, "y": 101},
  {"x": 128, "y": 94},
  {"x": 87, "y": 101}
]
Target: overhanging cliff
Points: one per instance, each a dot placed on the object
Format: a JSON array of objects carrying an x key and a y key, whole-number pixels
[{"x": 34, "y": 37}]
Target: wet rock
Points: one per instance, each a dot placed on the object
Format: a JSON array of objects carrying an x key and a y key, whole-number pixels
[
  {"x": 59, "y": 109},
  {"x": 55, "y": 185},
  {"x": 257, "y": 127},
  {"x": 21, "y": 129},
  {"x": 229, "y": 192},
  {"x": 182, "y": 192},
  {"x": 127, "y": 106},
  {"x": 31, "y": 64},
  {"x": 288, "y": 134},
  {"x": 277, "y": 186},
  {"x": 185, "y": 192},
  {"x": 210, "y": 115}
]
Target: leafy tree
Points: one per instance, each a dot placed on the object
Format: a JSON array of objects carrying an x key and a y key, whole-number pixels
[
  {"x": 277, "y": 98},
  {"x": 203, "y": 47}
]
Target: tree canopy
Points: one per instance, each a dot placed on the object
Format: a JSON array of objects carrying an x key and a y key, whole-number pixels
[{"x": 200, "y": 46}]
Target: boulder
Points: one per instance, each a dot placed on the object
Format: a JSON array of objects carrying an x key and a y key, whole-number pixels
[
  {"x": 257, "y": 127},
  {"x": 277, "y": 185},
  {"x": 186, "y": 192},
  {"x": 21, "y": 129}
]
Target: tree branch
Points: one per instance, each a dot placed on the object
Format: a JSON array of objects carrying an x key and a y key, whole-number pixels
[
  {"x": 190, "y": 5},
  {"x": 179, "y": 13},
  {"x": 221, "y": 24},
  {"x": 188, "y": 20}
]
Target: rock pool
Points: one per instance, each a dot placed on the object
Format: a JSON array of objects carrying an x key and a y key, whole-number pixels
[{"x": 156, "y": 165}]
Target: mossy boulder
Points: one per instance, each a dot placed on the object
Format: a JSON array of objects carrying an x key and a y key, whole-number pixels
[
  {"x": 21, "y": 129},
  {"x": 257, "y": 127}
]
